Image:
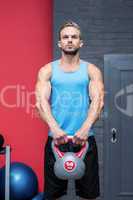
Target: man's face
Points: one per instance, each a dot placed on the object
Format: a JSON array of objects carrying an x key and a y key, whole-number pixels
[{"x": 70, "y": 41}]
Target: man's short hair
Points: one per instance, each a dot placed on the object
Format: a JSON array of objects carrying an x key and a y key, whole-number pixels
[{"x": 69, "y": 24}]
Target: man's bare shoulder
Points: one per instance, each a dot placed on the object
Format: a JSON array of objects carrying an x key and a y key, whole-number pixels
[
  {"x": 93, "y": 68},
  {"x": 94, "y": 71},
  {"x": 45, "y": 71}
]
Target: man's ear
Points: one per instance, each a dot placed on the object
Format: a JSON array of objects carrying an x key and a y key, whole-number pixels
[
  {"x": 81, "y": 43},
  {"x": 59, "y": 45}
]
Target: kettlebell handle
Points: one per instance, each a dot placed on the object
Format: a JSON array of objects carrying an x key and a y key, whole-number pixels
[{"x": 59, "y": 154}]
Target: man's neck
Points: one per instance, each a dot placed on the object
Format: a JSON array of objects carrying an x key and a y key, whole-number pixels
[{"x": 69, "y": 60}]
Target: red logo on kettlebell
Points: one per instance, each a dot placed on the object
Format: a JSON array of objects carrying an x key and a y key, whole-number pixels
[{"x": 69, "y": 165}]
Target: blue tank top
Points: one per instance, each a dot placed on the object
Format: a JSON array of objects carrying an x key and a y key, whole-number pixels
[{"x": 69, "y": 98}]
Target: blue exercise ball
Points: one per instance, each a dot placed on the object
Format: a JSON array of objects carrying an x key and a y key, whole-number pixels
[
  {"x": 40, "y": 196},
  {"x": 23, "y": 182}
]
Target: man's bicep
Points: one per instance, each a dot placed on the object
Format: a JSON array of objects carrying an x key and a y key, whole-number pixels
[
  {"x": 43, "y": 90},
  {"x": 43, "y": 85},
  {"x": 96, "y": 85},
  {"x": 93, "y": 90}
]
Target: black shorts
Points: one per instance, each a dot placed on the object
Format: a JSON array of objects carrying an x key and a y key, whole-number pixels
[{"x": 86, "y": 187}]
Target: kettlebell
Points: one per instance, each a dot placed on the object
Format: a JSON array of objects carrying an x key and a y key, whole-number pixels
[{"x": 69, "y": 165}]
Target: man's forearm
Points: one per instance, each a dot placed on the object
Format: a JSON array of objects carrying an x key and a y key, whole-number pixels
[
  {"x": 46, "y": 115},
  {"x": 93, "y": 114}
]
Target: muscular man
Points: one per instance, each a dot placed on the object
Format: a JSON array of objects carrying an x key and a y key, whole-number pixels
[{"x": 70, "y": 97}]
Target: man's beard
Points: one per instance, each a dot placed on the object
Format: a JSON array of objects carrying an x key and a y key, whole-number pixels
[{"x": 71, "y": 52}]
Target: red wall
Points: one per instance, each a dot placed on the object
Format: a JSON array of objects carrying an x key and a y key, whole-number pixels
[{"x": 25, "y": 45}]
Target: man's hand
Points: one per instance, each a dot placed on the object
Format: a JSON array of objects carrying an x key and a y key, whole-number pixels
[
  {"x": 60, "y": 137},
  {"x": 80, "y": 137}
]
